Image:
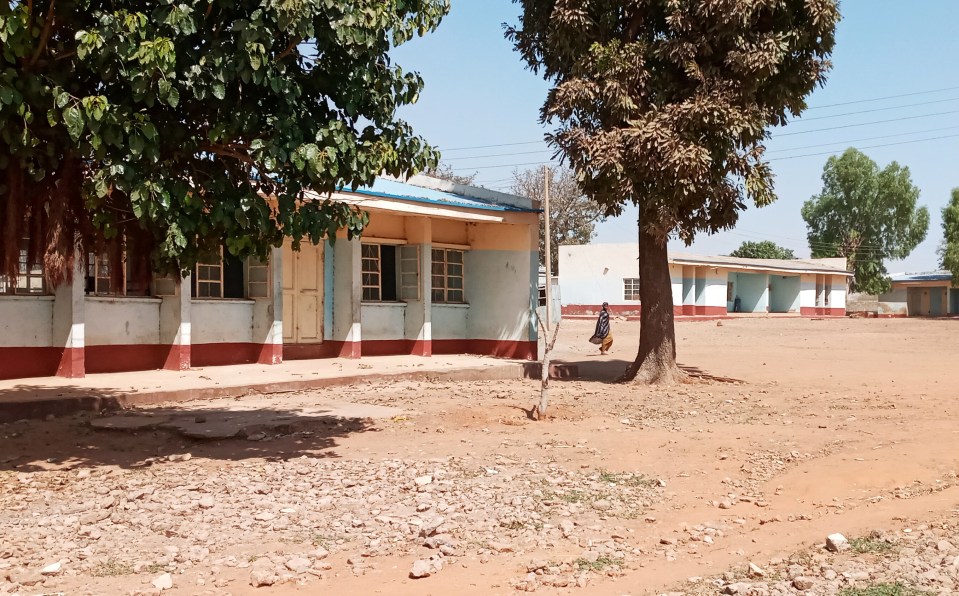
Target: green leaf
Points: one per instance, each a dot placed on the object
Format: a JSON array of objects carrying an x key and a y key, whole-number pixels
[
  {"x": 174, "y": 98},
  {"x": 219, "y": 90},
  {"x": 74, "y": 121}
]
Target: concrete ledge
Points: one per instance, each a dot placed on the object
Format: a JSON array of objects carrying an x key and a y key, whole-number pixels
[{"x": 39, "y": 402}]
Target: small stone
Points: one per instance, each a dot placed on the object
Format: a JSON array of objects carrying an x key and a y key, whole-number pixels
[
  {"x": 944, "y": 546},
  {"x": 500, "y": 547},
  {"x": 836, "y": 543},
  {"x": 264, "y": 516},
  {"x": 262, "y": 573},
  {"x": 321, "y": 553},
  {"x": 566, "y": 527},
  {"x": 725, "y": 504},
  {"x": 257, "y": 437},
  {"x": 164, "y": 582},
  {"x": 298, "y": 564},
  {"x": 51, "y": 569},
  {"x": 207, "y": 502},
  {"x": 756, "y": 571},
  {"x": 423, "y": 480},
  {"x": 421, "y": 568},
  {"x": 802, "y": 583}
]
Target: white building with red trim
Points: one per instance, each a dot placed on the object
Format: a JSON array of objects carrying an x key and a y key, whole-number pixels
[
  {"x": 441, "y": 269},
  {"x": 702, "y": 285}
]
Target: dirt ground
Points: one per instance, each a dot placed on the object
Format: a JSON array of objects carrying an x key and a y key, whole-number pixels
[{"x": 791, "y": 430}]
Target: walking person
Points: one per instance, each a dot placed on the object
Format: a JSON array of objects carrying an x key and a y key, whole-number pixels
[{"x": 603, "y": 336}]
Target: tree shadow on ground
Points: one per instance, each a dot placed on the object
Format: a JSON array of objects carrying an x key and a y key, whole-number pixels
[
  {"x": 608, "y": 370},
  {"x": 141, "y": 437}
]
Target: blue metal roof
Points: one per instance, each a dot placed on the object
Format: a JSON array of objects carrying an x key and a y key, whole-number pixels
[
  {"x": 929, "y": 276},
  {"x": 392, "y": 189}
]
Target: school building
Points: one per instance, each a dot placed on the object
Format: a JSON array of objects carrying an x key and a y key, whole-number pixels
[
  {"x": 702, "y": 285},
  {"x": 920, "y": 295},
  {"x": 442, "y": 268}
]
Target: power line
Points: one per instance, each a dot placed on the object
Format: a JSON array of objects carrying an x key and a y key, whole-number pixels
[
  {"x": 901, "y": 134},
  {"x": 496, "y": 155},
  {"x": 832, "y": 105},
  {"x": 847, "y": 103},
  {"x": 866, "y": 147},
  {"x": 886, "y": 109},
  {"x": 900, "y": 119}
]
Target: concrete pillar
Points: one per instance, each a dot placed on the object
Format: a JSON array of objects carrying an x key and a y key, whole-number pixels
[
  {"x": 419, "y": 327},
  {"x": 268, "y": 314},
  {"x": 175, "y": 326},
  {"x": 347, "y": 289},
  {"x": 68, "y": 322}
]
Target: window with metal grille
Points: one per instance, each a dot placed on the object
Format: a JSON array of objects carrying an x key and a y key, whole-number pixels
[
  {"x": 447, "y": 276},
  {"x": 219, "y": 276},
  {"x": 379, "y": 270},
  {"x": 29, "y": 278},
  {"x": 409, "y": 273},
  {"x": 630, "y": 288}
]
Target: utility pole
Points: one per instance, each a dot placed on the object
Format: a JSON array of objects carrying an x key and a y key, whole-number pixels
[{"x": 548, "y": 258}]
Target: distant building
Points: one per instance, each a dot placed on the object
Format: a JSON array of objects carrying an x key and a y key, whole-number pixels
[
  {"x": 920, "y": 295},
  {"x": 702, "y": 285}
]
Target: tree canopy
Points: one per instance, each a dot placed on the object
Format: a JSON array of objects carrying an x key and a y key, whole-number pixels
[
  {"x": 949, "y": 250},
  {"x": 180, "y": 127},
  {"x": 765, "y": 249},
  {"x": 866, "y": 215},
  {"x": 573, "y": 217},
  {"x": 667, "y": 105}
]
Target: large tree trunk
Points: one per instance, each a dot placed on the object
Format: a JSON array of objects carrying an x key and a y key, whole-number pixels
[{"x": 656, "y": 360}]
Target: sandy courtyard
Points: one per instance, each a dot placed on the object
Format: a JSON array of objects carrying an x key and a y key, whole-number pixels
[{"x": 799, "y": 429}]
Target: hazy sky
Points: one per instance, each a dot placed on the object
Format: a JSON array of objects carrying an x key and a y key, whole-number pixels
[{"x": 478, "y": 93}]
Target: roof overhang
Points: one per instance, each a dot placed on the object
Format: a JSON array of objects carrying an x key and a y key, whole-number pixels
[{"x": 758, "y": 268}]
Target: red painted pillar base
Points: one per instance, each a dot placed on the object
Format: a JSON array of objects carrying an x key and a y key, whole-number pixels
[
  {"x": 351, "y": 349},
  {"x": 271, "y": 354},
  {"x": 72, "y": 364},
  {"x": 422, "y": 348},
  {"x": 178, "y": 358}
]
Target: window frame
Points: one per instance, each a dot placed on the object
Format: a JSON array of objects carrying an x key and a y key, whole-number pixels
[
  {"x": 27, "y": 273},
  {"x": 199, "y": 282},
  {"x": 631, "y": 282},
  {"x": 376, "y": 273},
  {"x": 404, "y": 273},
  {"x": 444, "y": 289}
]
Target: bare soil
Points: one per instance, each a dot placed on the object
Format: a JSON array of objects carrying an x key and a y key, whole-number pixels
[{"x": 788, "y": 430}]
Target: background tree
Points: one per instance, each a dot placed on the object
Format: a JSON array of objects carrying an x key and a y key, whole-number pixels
[
  {"x": 446, "y": 172},
  {"x": 666, "y": 105},
  {"x": 762, "y": 250},
  {"x": 865, "y": 215},
  {"x": 949, "y": 251},
  {"x": 179, "y": 127},
  {"x": 574, "y": 216}
]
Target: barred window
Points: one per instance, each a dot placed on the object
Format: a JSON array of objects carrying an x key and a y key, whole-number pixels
[
  {"x": 99, "y": 280},
  {"x": 448, "y": 277},
  {"x": 209, "y": 278},
  {"x": 29, "y": 278},
  {"x": 630, "y": 288},
  {"x": 372, "y": 273}
]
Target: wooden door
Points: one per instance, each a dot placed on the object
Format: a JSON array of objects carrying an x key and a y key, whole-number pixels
[{"x": 303, "y": 294}]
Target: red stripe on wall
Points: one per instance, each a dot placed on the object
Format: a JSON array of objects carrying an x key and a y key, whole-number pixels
[
  {"x": 270, "y": 354},
  {"x": 387, "y": 347},
  {"x": 515, "y": 350},
  {"x": 224, "y": 354},
  {"x": 22, "y": 362},
  {"x": 816, "y": 311},
  {"x": 123, "y": 358}
]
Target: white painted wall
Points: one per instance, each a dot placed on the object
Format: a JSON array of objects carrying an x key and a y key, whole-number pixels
[
  {"x": 221, "y": 321},
  {"x": 26, "y": 321},
  {"x": 122, "y": 321},
  {"x": 894, "y": 302},
  {"x": 449, "y": 321},
  {"x": 837, "y": 298},
  {"x": 385, "y": 320},
  {"x": 593, "y": 274},
  {"x": 676, "y": 279},
  {"x": 716, "y": 287},
  {"x": 807, "y": 291}
]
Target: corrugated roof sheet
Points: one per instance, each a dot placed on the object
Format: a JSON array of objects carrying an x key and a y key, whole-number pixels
[
  {"x": 928, "y": 276},
  {"x": 392, "y": 189}
]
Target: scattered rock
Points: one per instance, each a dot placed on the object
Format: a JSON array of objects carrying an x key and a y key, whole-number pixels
[
  {"x": 164, "y": 582},
  {"x": 836, "y": 543},
  {"x": 262, "y": 573},
  {"x": 755, "y": 571},
  {"x": 52, "y": 569},
  {"x": 421, "y": 568}
]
